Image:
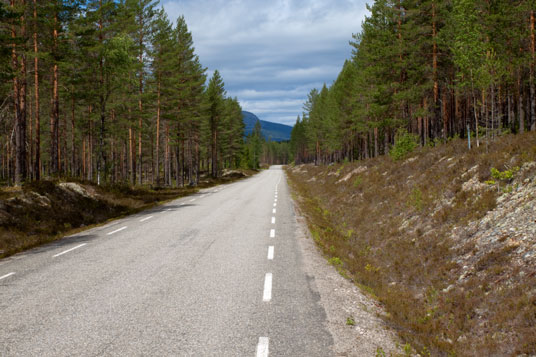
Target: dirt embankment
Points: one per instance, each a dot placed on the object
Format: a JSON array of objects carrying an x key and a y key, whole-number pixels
[
  {"x": 43, "y": 211},
  {"x": 445, "y": 245}
]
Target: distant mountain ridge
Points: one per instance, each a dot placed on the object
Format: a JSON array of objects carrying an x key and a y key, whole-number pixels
[{"x": 271, "y": 131}]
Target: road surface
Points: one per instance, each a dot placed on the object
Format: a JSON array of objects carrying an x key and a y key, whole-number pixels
[{"x": 219, "y": 273}]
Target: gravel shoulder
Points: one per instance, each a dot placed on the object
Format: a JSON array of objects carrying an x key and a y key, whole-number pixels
[{"x": 341, "y": 300}]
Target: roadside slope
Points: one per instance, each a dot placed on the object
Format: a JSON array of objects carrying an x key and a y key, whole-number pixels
[{"x": 449, "y": 255}]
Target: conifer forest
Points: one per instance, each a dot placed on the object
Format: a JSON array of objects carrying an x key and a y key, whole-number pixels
[
  {"x": 431, "y": 69},
  {"x": 109, "y": 91}
]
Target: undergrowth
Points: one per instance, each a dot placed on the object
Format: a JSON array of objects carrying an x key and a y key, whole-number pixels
[
  {"x": 389, "y": 229},
  {"x": 26, "y": 223}
]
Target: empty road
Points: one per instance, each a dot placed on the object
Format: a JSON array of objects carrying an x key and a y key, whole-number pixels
[{"x": 219, "y": 273}]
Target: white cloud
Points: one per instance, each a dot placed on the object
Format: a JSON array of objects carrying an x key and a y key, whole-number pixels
[{"x": 272, "y": 51}]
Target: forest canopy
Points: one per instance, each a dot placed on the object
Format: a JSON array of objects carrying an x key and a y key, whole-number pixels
[
  {"x": 109, "y": 91},
  {"x": 436, "y": 69}
]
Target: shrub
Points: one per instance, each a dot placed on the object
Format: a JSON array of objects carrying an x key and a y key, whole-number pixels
[{"x": 405, "y": 143}]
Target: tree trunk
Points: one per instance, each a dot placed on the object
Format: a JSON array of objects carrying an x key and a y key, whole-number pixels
[
  {"x": 37, "y": 169},
  {"x": 55, "y": 104},
  {"x": 158, "y": 134},
  {"x": 521, "y": 109},
  {"x": 531, "y": 77}
]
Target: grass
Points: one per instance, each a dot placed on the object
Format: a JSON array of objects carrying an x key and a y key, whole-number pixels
[
  {"x": 41, "y": 212},
  {"x": 390, "y": 228}
]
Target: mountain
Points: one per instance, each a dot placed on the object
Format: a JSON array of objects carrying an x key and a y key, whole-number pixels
[{"x": 272, "y": 131}]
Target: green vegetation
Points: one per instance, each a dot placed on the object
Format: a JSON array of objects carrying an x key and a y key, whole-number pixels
[
  {"x": 126, "y": 94},
  {"x": 434, "y": 69},
  {"x": 350, "y": 321},
  {"x": 393, "y": 234}
]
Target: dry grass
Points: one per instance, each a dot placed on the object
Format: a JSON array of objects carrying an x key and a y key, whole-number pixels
[
  {"x": 24, "y": 223},
  {"x": 391, "y": 227}
]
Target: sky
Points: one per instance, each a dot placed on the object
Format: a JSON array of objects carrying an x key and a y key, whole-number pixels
[{"x": 271, "y": 53}]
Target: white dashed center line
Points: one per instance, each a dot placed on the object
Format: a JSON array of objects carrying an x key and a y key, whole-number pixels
[
  {"x": 69, "y": 250},
  {"x": 7, "y": 275},
  {"x": 262, "y": 347},
  {"x": 272, "y": 233},
  {"x": 273, "y": 210},
  {"x": 117, "y": 230},
  {"x": 271, "y": 252},
  {"x": 275, "y": 204},
  {"x": 267, "y": 294},
  {"x": 273, "y": 220},
  {"x": 146, "y": 218}
]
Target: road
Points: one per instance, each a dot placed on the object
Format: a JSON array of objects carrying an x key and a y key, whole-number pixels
[{"x": 219, "y": 273}]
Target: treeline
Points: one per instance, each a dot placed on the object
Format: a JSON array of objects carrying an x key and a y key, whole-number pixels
[
  {"x": 433, "y": 68},
  {"x": 109, "y": 91}
]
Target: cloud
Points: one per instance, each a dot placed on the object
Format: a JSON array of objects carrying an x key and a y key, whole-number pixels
[{"x": 272, "y": 53}]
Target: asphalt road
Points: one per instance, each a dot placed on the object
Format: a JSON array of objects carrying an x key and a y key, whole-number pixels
[{"x": 195, "y": 277}]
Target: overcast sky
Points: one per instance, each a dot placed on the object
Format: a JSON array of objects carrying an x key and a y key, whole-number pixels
[{"x": 271, "y": 53}]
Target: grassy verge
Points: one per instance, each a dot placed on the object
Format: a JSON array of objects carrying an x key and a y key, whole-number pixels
[
  {"x": 401, "y": 231},
  {"x": 44, "y": 211}
]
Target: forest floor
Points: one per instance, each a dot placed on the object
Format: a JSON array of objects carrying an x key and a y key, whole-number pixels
[
  {"x": 44, "y": 211},
  {"x": 448, "y": 255}
]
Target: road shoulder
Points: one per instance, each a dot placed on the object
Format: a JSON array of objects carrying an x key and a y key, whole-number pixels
[{"x": 341, "y": 300}]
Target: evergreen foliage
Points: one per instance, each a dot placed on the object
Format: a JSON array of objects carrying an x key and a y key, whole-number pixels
[
  {"x": 125, "y": 92},
  {"x": 433, "y": 68}
]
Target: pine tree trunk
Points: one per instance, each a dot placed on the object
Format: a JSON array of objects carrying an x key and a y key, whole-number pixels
[
  {"x": 158, "y": 134},
  {"x": 37, "y": 170},
  {"x": 521, "y": 109},
  {"x": 55, "y": 115},
  {"x": 531, "y": 77}
]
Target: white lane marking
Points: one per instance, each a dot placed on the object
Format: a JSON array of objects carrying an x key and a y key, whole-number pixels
[
  {"x": 275, "y": 204},
  {"x": 262, "y": 347},
  {"x": 169, "y": 209},
  {"x": 275, "y": 199},
  {"x": 182, "y": 204},
  {"x": 273, "y": 220},
  {"x": 272, "y": 233},
  {"x": 192, "y": 200},
  {"x": 117, "y": 230},
  {"x": 267, "y": 294},
  {"x": 271, "y": 252},
  {"x": 7, "y": 275},
  {"x": 146, "y": 218},
  {"x": 273, "y": 210},
  {"x": 69, "y": 250}
]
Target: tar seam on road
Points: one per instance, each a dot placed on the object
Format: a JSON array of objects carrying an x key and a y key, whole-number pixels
[
  {"x": 7, "y": 275},
  {"x": 271, "y": 252},
  {"x": 262, "y": 347},
  {"x": 69, "y": 250},
  {"x": 146, "y": 218},
  {"x": 272, "y": 233},
  {"x": 267, "y": 294},
  {"x": 117, "y": 230}
]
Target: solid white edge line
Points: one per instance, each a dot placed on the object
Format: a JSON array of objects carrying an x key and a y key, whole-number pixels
[
  {"x": 273, "y": 210},
  {"x": 69, "y": 250},
  {"x": 146, "y": 218},
  {"x": 117, "y": 230},
  {"x": 271, "y": 252},
  {"x": 7, "y": 275},
  {"x": 262, "y": 347},
  {"x": 273, "y": 220},
  {"x": 272, "y": 233},
  {"x": 267, "y": 294}
]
